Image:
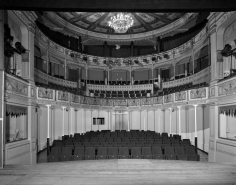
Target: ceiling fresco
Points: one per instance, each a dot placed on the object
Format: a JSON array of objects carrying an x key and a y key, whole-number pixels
[{"x": 98, "y": 21}]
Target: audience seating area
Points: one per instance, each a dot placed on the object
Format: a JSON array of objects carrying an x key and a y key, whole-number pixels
[
  {"x": 120, "y": 94},
  {"x": 183, "y": 88},
  {"x": 136, "y": 82},
  {"x": 122, "y": 145}
]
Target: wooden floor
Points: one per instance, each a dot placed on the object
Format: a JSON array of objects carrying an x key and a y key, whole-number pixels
[{"x": 122, "y": 172}]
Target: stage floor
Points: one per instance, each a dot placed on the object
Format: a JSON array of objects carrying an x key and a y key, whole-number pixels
[{"x": 122, "y": 172}]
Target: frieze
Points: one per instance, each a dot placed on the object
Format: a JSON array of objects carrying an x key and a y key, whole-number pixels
[
  {"x": 157, "y": 100},
  {"x": 120, "y": 102},
  {"x": 95, "y": 101},
  {"x": 168, "y": 98},
  {"x": 14, "y": 98},
  {"x": 75, "y": 98},
  {"x": 199, "y": 93},
  {"x": 84, "y": 100},
  {"x": 133, "y": 102},
  {"x": 146, "y": 101},
  {"x": 180, "y": 96},
  {"x": 227, "y": 88},
  {"x": 16, "y": 87},
  {"x": 63, "y": 96},
  {"x": 44, "y": 93},
  {"x": 106, "y": 102}
]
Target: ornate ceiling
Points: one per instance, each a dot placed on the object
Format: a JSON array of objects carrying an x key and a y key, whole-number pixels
[{"x": 95, "y": 25}]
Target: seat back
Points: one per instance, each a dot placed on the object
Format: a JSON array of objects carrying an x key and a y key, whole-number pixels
[
  {"x": 136, "y": 151},
  {"x": 179, "y": 150},
  {"x": 190, "y": 150},
  {"x": 112, "y": 151},
  {"x": 102, "y": 151},
  {"x": 89, "y": 151},
  {"x": 168, "y": 150},
  {"x": 157, "y": 150},
  {"x": 55, "y": 150},
  {"x": 124, "y": 151},
  {"x": 66, "y": 151},
  {"x": 146, "y": 151},
  {"x": 79, "y": 151}
]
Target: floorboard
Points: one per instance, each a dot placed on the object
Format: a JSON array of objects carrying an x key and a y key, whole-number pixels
[{"x": 122, "y": 171}]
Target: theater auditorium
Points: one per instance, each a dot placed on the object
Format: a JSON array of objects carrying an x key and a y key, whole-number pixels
[{"x": 117, "y": 92}]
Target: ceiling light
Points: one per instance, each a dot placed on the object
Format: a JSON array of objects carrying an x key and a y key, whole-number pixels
[{"x": 121, "y": 22}]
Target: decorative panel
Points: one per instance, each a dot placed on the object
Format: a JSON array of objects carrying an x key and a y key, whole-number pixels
[
  {"x": 180, "y": 96},
  {"x": 133, "y": 102},
  {"x": 106, "y": 102},
  {"x": 75, "y": 98},
  {"x": 45, "y": 94},
  {"x": 168, "y": 98},
  {"x": 15, "y": 86},
  {"x": 62, "y": 96},
  {"x": 227, "y": 88},
  {"x": 198, "y": 94},
  {"x": 157, "y": 100},
  {"x": 120, "y": 102},
  {"x": 146, "y": 101}
]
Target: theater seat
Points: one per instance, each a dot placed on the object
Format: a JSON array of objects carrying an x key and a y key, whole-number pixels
[
  {"x": 112, "y": 153},
  {"x": 102, "y": 153},
  {"x": 191, "y": 153},
  {"x": 89, "y": 153},
  {"x": 136, "y": 153},
  {"x": 124, "y": 153},
  {"x": 54, "y": 155},
  {"x": 78, "y": 154},
  {"x": 180, "y": 153},
  {"x": 147, "y": 152},
  {"x": 157, "y": 153},
  {"x": 66, "y": 154},
  {"x": 170, "y": 153}
]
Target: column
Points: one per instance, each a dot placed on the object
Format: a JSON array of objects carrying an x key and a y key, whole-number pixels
[
  {"x": 48, "y": 130},
  {"x": 195, "y": 124},
  {"x": 159, "y": 77},
  {"x": 193, "y": 60},
  {"x": 63, "y": 122},
  {"x": 130, "y": 123},
  {"x": 108, "y": 117},
  {"x": 75, "y": 126},
  {"x": 186, "y": 69},
  {"x": 174, "y": 71},
  {"x": 86, "y": 77},
  {"x": 131, "y": 75},
  {"x": 128, "y": 120},
  {"x": 71, "y": 121},
  {"x": 98, "y": 125},
  {"x": 170, "y": 119},
  {"x": 78, "y": 78},
  {"x": 179, "y": 107},
  {"x": 65, "y": 65},
  {"x": 163, "y": 115}
]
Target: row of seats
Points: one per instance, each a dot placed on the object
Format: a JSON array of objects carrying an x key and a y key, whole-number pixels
[
  {"x": 182, "y": 88},
  {"x": 90, "y": 153},
  {"x": 102, "y": 82},
  {"x": 120, "y": 94}
]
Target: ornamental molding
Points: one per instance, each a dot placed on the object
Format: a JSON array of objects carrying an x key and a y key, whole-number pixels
[
  {"x": 14, "y": 86},
  {"x": 227, "y": 88}
]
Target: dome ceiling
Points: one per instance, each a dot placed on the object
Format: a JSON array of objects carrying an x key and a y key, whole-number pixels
[
  {"x": 95, "y": 25},
  {"x": 98, "y": 22}
]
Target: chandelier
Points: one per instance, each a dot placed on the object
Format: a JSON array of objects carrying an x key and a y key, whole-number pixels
[{"x": 121, "y": 22}]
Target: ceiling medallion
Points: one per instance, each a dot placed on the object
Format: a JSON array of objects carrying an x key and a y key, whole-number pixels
[{"x": 121, "y": 22}]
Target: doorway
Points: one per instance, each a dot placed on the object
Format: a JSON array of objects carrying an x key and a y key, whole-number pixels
[{"x": 121, "y": 120}]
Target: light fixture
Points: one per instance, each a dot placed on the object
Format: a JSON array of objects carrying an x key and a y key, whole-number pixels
[{"x": 121, "y": 22}]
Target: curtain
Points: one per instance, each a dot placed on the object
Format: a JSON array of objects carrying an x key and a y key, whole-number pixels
[
  {"x": 15, "y": 110},
  {"x": 229, "y": 110}
]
